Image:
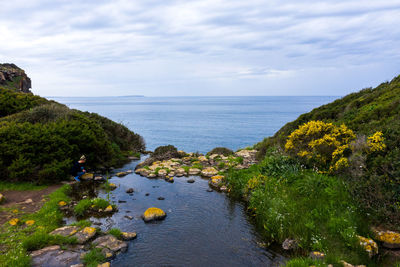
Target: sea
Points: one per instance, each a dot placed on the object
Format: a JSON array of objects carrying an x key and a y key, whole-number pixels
[{"x": 198, "y": 124}]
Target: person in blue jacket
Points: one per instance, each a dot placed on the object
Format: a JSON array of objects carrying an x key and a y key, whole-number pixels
[{"x": 78, "y": 169}]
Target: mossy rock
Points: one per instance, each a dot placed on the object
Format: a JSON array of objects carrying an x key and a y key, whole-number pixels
[{"x": 153, "y": 213}]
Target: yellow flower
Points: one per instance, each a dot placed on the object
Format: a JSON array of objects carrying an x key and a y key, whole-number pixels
[
  {"x": 62, "y": 203},
  {"x": 375, "y": 142},
  {"x": 14, "y": 221},
  {"x": 15, "y": 211},
  {"x": 30, "y": 222}
]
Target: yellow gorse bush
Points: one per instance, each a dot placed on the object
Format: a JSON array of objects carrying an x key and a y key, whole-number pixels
[
  {"x": 376, "y": 141},
  {"x": 322, "y": 143}
]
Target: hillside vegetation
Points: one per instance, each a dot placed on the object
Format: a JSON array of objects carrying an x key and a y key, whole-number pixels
[
  {"x": 328, "y": 177},
  {"x": 373, "y": 178},
  {"x": 40, "y": 139}
]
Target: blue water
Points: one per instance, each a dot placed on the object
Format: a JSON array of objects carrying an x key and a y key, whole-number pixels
[
  {"x": 201, "y": 228},
  {"x": 200, "y": 123}
]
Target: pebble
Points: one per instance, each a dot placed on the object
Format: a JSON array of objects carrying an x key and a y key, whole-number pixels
[
  {"x": 190, "y": 181},
  {"x": 147, "y": 194},
  {"x": 161, "y": 198}
]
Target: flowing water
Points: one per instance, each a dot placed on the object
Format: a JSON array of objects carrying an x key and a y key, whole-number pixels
[{"x": 201, "y": 228}]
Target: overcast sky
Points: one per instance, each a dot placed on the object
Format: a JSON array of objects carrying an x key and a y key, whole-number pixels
[{"x": 208, "y": 47}]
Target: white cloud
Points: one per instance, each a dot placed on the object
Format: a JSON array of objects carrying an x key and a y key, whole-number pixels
[{"x": 213, "y": 47}]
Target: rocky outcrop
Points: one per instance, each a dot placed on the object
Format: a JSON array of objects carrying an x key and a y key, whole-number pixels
[
  {"x": 54, "y": 256},
  {"x": 14, "y": 78}
]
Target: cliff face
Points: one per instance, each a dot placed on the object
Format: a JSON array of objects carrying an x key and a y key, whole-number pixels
[{"x": 14, "y": 78}]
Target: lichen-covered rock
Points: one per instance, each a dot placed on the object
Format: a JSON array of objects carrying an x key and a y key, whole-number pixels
[
  {"x": 128, "y": 235},
  {"x": 106, "y": 264},
  {"x": 162, "y": 173},
  {"x": 152, "y": 175},
  {"x": 108, "y": 209},
  {"x": 202, "y": 158},
  {"x": 194, "y": 171},
  {"x": 87, "y": 176},
  {"x": 121, "y": 174},
  {"x": 316, "y": 255},
  {"x": 209, "y": 172},
  {"x": 216, "y": 181},
  {"x": 289, "y": 244},
  {"x": 66, "y": 231},
  {"x": 112, "y": 186},
  {"x": 111, "y": 243},
  {"x": 85, "y": 234},
  {"x": 153, "y": 214},
  {"x": 389, "y": 239},
  {"x": 369, "y": 245},
  {"x": 180, "y": 172}
]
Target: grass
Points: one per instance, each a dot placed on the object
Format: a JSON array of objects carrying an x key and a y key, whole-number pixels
[
  {"x": 16, "y": 240},
  {"x": 116, "y": 233},
  {"x": 85, "y": 204},
  {"x": 93, "y": 258},
  {"x": 20, "y": 186},
  {"x": 42, "y": 239},
  {"x": 317, "y": 210}
]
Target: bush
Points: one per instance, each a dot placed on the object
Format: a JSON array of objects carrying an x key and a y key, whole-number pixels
[
  {"x": 323, "y": 145},
  {"x": 221, "y": 151},
  {"x": 165, "y": 152},
  {"x": 40, "y": 144}
]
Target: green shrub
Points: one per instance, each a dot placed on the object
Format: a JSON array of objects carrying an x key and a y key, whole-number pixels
[
  {"x": 40, "y": 144},
  {"x": 165, "y": 152},
  {"x": 221, "y": 151}
]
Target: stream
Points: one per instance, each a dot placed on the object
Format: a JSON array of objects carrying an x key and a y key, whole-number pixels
[{"x": 201, "y": 228}]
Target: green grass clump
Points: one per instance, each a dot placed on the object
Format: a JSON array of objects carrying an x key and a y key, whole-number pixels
[
  {"x": 197, "y": 166},
  {"x": 82, "y": 206},
  {"x": 116, "y": 233},
  {"x": 85, "y": 204},
  {"x": 221, "y": 151},
  {"x": 93, "y": 258},
  {"x": 289, "y": 202},
  {"x": 42, "y": 239}
]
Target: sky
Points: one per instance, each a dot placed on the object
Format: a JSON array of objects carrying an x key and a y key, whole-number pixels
[{"x": 201, "y": 48}]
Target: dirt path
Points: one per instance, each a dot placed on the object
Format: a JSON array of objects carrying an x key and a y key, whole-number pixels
[{"x": 23, "y": 201}]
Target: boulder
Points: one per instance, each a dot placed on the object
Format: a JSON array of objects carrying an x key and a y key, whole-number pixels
[
  {"x": 128, "y": 235},
  {"x": 194, "y": 171},
  {"x": 121, "y": 174},
  {"x": 87, "y": 176},
  {"x": 111, "y": 243},
  {"x": 66, "y": 231},
  {"x": 129, "y": 190},
  {"x": 162, "y": 173},
  {"x": 389, "y": 239},
  {"x": 54, "y": 256},
  {"x": 85, "y": 234},
  {"x": 209, "y": 172},
  {"x": 108, "y": 209},
  {"x": 153, "y": 214},
  {"x": 368, "y": 245},
  {"x": 180, "y": 172},
  {"x": 216, "y": 181},
  {"x": 112, "y": 186},
  {"x": 289, "y": 244}
]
